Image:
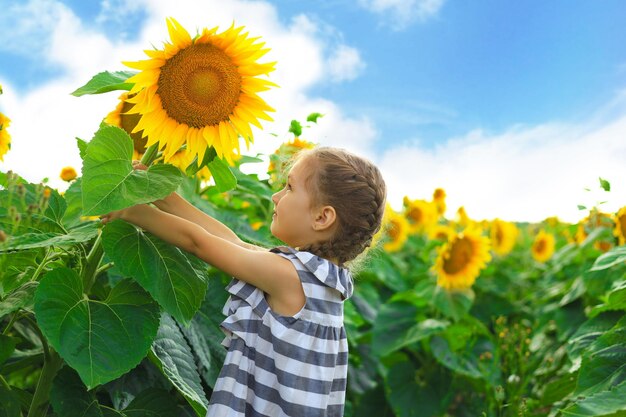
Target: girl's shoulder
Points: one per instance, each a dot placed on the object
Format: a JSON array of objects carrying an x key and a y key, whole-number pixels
[{"x": 323, "y": 270}]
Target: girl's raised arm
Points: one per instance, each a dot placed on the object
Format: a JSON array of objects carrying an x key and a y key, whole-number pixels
[{"x": 265, "y": 270}]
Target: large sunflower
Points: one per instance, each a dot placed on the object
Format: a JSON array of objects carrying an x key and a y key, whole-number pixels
[
  {"x": 201, "y": 91},
  {"x": 503, "y": 236},
  {"x": 5, "y": 138},
  {"x": 620, "y": 225},
  {"x": 543, "y": 246},
  {"x": 460, "y": 260}
]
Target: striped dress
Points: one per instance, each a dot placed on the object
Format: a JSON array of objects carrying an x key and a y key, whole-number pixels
[{"x": 279, "y": 366}]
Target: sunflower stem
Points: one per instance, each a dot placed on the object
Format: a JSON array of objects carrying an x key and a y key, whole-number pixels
[{"x": 150, "y": 155}]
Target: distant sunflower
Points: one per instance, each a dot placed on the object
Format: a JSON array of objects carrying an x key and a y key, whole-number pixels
[
  {"x": 543, "y": 246},
  {"x": 281, "y": 156},
  {"x": 68, "y": 174},
  {"x": 461, "y": 259},
  {"x": 5, "y": 138},
  {"x": 394, "y": 231},
  {"x": 201, "y": 91},
  {"x": 441, "y": 232},
  {"x": 620, "y": 226},
  {"x": 503, "y": 236},
  {"x": 439, "y": 200},
  {"x": 462, "y": 217},
  {"x": 421, "y": 214}
]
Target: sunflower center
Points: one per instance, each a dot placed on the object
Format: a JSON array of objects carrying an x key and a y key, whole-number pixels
[
  {"x": 128, "y": 122},
  {"x": 540, "y": 246},
  {"x": 416, "y": 215},
  {"x": 622, "y": 224},
  {"x": 393, "y": 230},
  {"x": 199, "y": 86},
  {"x": 460, "y": 255},
  {"x": 499, "y": 236}
]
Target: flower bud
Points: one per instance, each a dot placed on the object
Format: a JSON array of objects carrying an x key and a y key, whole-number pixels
[{"x": 3, "y": 236}]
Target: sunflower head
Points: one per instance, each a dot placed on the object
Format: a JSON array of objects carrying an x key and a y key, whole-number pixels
[
  {"x": 543, "y": 246},
  {"x": 503, "y": 236},
  {"x": 439, "y": 200},
  {"x": 5, "y": 138},
  {"x": 68, "y": 174},
  {"x": 281, "y": 157},
  {"x": 461, "y": 259},
  {"x": 421, "y": 214},
  {"x": 462, "y": 217},
  {"x": 201, "y": 91},
  {"x": 394, "y": 231},
  {"x": 441, "y": 232},
  {"x": 620, "y": 225}
]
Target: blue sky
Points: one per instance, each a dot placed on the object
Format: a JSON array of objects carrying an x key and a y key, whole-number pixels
[{"x": 415, "y": 79}]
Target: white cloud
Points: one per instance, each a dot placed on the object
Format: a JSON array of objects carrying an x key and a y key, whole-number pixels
[
  {"x": 401, "y": 13},
  {"x": 524, "y": 174},
  {"x": 46, "y": 120},
  {"x": 345, "y": 64}
]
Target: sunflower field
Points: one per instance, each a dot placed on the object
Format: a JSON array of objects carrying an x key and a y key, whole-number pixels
[{"x": 450, "y": 316}]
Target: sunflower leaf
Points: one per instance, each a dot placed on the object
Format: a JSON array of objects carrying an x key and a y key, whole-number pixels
[
  {"x": 224, "y": 178},
  {"x": 101, "y": 340},
  {"x": 606, "y": 186},
  {"x": 295, "y": 128},
  {"x": 104, "y": 82},
  {"x": 109, "y": 180},
  {"x": 313, "y": 117}
]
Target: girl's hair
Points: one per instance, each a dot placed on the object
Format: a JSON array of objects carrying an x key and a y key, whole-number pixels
[{"x": 354, "y": 187}]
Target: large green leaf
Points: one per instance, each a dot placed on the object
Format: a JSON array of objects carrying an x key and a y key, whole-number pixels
[
  {"x": 222, "y": 175},
  {"x": 604, "y": 403},
  {"x": 412, "y": 396},
  {"x": 7, "y": 346},
  {"x": 152, "y": 403},
  {"x": 604, "y": 364},
  {"x": 453, "y": 304},
  {"x": 104, "y": 82},
  {"x": 69, "y": 396},
  {"x": 398, "y": 325},
  {"x": 171, "y": 353},
  {"x": 173, "y": 279},
  {"x": 101, "y": 340},
  {"x": 21, "y": 297},
  {"x": 80, "y": 234},
  {"x": 109, "y": 181},
  {"x": 461, "y": 362},
  {"x": 616, "y": 256},
  {"x": 17, "y": 268},
  {"x": 205, "y": 335},
  {"x": 10, "y": 402},
  {"x": 615, "y": 300}
]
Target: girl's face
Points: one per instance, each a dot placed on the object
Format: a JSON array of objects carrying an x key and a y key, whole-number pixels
[{"x": 292, "y": 221}]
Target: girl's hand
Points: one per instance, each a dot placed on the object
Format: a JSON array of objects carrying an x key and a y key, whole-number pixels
[{"x": 118, "y": 214}]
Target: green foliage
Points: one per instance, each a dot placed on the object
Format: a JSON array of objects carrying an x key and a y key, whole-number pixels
[
  {"x": 104, "y": 82},
  {"x": 109, "y": 181}
]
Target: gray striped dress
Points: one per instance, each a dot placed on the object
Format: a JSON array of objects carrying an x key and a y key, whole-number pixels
[{"x": 280, "y": 366}]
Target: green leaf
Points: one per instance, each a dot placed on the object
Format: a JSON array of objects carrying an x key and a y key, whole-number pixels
[
  {"x": 74, "y": 199},
  {"x": 222, "y": 175},
  {"x": 173, "y": 279},
  {"x": 69, "y": 396},
  {"x": 171, "y": 353},
  {"x": 606, "y": 186},
  {"x": 463, "y": 364},
  {"x": 10, "y": 402},
  {"x": 614, "y": 257},
  {"x": 205, "y": 335},
  {"x": 588, "y": 332},
  {"x": 152, "y": 403},
  {"x": 581, "y": 207},
  {"x": 82, "y": 147},
  {"x": 109, "y": 180},
  {"x": 81, "y": 234},
  {"x": 604, "y": 363},
  {"x": 411, "y": 396},
  {"x": 194, "y": 167},
  {"x": 295, "y": 128},
  {"x": 397, "y": 325},
  {"x": 313, "y": 117},
  {"x": 104, "y": 82},
  {"x": 101, "y": 340},
  {"x": 453, "y": 304},
  {"x": 21, "y": 297},
  {"x": 601, "y": 404},
  {"x": 7, "y": 346}
]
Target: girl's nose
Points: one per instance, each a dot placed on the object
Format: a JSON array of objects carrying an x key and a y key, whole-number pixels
[{"x": 276, "y": 197}]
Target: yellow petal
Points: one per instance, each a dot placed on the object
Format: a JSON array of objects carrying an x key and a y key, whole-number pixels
[{"x": 178, "y": 34}]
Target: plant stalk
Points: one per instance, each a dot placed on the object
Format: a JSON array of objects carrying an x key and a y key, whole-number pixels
[
  {"x": 40, "y": 403},
  {"x": 90, "y": 270},
  {"x": 150, "y": 155}
]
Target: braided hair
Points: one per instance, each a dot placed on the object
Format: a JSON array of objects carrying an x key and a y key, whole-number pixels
[{"x": 355, "y": 188}]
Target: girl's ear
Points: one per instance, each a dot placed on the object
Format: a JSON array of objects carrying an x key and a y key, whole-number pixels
[{"x": 324, "y": 219}]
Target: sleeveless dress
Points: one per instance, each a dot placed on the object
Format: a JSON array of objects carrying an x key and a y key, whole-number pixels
[{"x": 279, "y": 366}]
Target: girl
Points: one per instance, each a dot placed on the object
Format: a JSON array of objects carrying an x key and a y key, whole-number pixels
[{"x": 287, "y": 347}]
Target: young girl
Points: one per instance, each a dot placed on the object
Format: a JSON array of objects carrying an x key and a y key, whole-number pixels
[{"x": 287, "y": 347}]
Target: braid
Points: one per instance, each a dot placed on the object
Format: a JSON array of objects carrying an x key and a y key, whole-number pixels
[{"x": 356, "y": 190}]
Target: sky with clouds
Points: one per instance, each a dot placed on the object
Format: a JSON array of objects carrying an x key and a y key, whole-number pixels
[{"x": 513, "y": 107}]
